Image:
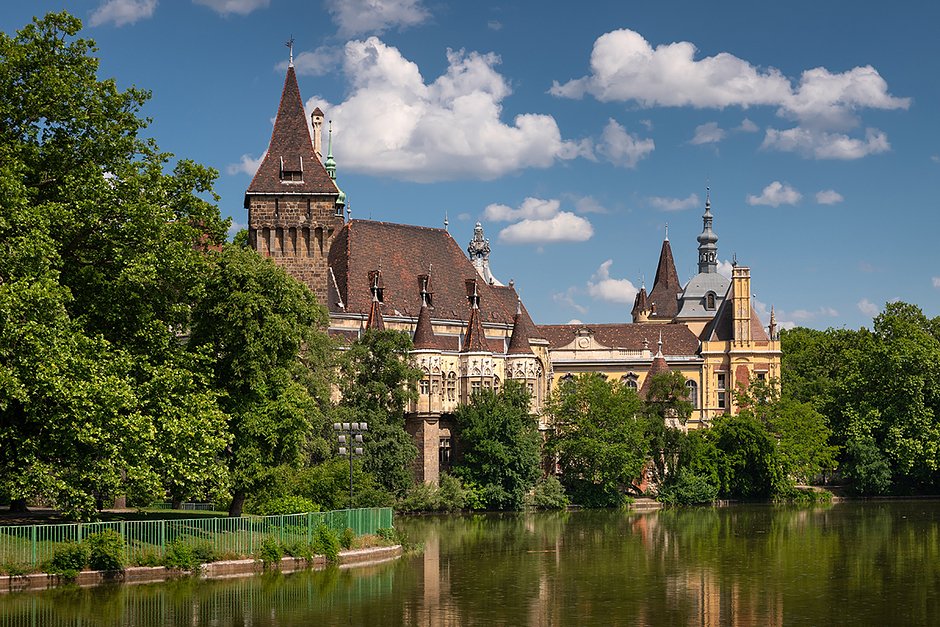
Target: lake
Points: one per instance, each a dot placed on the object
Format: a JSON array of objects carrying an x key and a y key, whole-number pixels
[{"x": 859, "y": 563}]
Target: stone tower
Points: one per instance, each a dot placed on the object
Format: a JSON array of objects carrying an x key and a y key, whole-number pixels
[{"x": 292, "y": 205}]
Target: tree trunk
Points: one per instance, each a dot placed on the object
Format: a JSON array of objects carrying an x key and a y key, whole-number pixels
[
  {"x": 18, "y": 506},
  {"x": 176, "y": 503},
  {"x": 238, "y": 502}
]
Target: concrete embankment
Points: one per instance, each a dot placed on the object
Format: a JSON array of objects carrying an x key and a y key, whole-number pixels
[{"x": 214, "y": 570}]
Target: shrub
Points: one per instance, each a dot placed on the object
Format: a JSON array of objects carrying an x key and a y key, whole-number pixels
[
  {"x": 270, "y": 552},
  {"x": 688, "y": 488},
  {"x": 548, "y": 493},
  {"x": 205, "y": 553},
  {"x": 802, "y": 496},
  {"x": 300, "y": 549},
  {"x": 285, "y": 505},
  {"x": 149, "y": 559},
  {"x": 180, "y": 555},
  {"x": 326, "y": 542},
  {"x": 69, "y": 559},
  {"x": 107, "y": 551},
  {"x": 346, "y": 540}
]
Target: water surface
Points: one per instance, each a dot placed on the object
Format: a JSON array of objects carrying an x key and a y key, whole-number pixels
[{"x": 874, "y": 563}]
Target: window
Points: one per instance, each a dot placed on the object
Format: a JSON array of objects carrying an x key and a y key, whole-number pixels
[
  {"x": 710, "y": 300},
  {"x": 292, "y": 176},
  {"x": 629, "y": 380},
  {"x": 722, "y": 400},
  {"x": 425, "y": 387},
  {"x": 475, "y": 386},
  {"x": 762, "y": 377},
  {"x": 451, "y": 386},
  {"x": 692, "y": 388},
  {"x": 435, "y": 386},
  {"x": 443, "y": 452}
]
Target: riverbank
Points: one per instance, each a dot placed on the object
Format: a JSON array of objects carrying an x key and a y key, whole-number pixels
[{"x": 213, "y": 570}]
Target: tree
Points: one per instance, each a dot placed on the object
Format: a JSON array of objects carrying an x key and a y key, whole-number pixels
[
  {"x": 263, "y": 329},
  {"x": 377, "y": 381},
  {"x": 99, "y": 234},
  {"x": 499, "y": 440},
  {"x": 666, "y": 406},
  {"x": 599, "y": 439},
  {"x": 748, "y": 463}
]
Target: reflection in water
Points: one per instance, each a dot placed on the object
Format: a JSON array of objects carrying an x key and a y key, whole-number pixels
[{"x": 860, "y": 564}]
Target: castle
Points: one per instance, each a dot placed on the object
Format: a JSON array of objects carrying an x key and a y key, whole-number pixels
[{"x": 471, "y": 332}]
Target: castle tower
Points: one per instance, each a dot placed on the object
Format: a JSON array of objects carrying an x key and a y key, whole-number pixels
[
  {"x": 521, "y": 363},
  {"x": 641, "y": 307},
  {"x": 476, "y": 358},
  {"x": 424, "y": 415},
  {"x": 479, "y": 251},
  {"x": 663, "y": 298},
  {"x": 741, "y": 300},
  {"x": 292, "y": 200},
  {"x": 707, "y": 241}
]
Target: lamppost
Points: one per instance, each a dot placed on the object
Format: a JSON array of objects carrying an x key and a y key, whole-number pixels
[{"x": 350, "y": 444}]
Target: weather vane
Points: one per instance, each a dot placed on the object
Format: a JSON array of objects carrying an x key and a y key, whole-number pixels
[{"x": 290, "y": 45}]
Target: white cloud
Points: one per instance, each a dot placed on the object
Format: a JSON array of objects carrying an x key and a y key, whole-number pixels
[
  {"x": 747, "y": 126},
  {"x": 568, "y": 298},
  {"x": 494, "y": 25},
  {"x": 621, "y": 148},
  {"x": 395, "y": 124},
  {"x": 776, "y": 194},
  {"x": 664, "y": 203},
  {"x": 247, "y": 165},
  {"x": 828, "y": 197},
  {"x": 708, "y": 133},
  {"x": 531, "y": 208},
  {"x": 935, "y": 158},
  {"x": 588, "y": 204},
  {"x": 563, "y": 227},
  {"x": 823, "y": 145},
  {"x": 602, "y": 287},
  {"x": 355, "y": 17},
  {"x": 625, "y": 67},
  {"x": 239, "y": 7},
  {"x": 234, "y": 228},
  {"x": 574, "y": 321},
  {"x": 314, "y": 63},
  {"x": 724, "y": 268},
  {"x": 122, "y": 12},
  {"x": 867, "y": 307},
  {"x": 936, "y": 281}
]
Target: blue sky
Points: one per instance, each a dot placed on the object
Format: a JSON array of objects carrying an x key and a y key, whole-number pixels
[{"x": 575, "y": 136}]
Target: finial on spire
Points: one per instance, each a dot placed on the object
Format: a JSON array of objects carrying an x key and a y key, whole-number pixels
[
  {"x": 659, "y": 345},
  {"x": 734, "y": 260},
  {"x": 290, "y": 45},
  {"x": 446, "y": 223},
  {"x": 348, "y": 211},
  {"x": 667, "y": 231}
]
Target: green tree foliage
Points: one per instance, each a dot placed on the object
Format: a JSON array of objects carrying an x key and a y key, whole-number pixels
[
  {"x": 500, "y": 446},
  {"x": 879, "y": 390},
  {"x": 102, "y": 261},
  {"x": 377, "y": 382},
  {"x": 599, "y": 439},
  {"x": 263, "y": 329},
  {"x": 748, "y": 464},
  {"x": 666, "y": 406}
]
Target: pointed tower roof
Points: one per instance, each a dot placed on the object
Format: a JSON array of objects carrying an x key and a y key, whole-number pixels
[
  {"x": 424, "y": 337},
  {"x": 474, "y": 340},
  {"x": 519, "y": 340},
  {"x": 375, "y": 319},
  {"x": 658, "y": 366},
  {"x": 291, "y": 150},
  {"x": 640, "y": 304},
  {"x": 666, "y": 288}
]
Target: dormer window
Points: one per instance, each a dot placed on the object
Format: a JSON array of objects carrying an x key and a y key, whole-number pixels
[
  {"x": 292, "y": 171},
  {"x": 710, "y": 301}
]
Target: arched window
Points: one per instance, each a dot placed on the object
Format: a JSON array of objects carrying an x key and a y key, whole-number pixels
[
  {"x": 496, "y": 384},
  {"x": 692, "y": 388},
  {"x": 629, "y": 380},
  {"x": 710, "y": 300},
  {"x": 451, "y": 386}
]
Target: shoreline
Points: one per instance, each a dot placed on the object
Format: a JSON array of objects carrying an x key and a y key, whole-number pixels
[{"x": 213, "y": 570}]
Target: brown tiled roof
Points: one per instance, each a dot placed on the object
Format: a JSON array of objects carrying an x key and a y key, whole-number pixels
[
  {"x": 474, "y": 339},
  {"x": 677, "y": 338},
  {"x": 721, "y": 327},
  {"x": 405, "y": 252},
  {"x": 375, "y": 320},
  {"x": 424, "y": 333},
  {"x": 519, "y": 340},
  {"x": 291, "y": 148},
  {"x": 639, "y": 303},
  {"x": 666, "y": 286},
  {"x": 658, "y": 366}
]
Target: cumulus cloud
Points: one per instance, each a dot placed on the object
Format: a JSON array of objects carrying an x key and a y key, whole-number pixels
[
  {"x": 626, "y": 67},
  {"x": 664, "y": 203},
  {"x": 708, "y": 133},
  {"x": 824, "y": 145},
  {"x": 355, "y": 17},
  {"x": 395, "y": 124},
  {"x": 776, "y": 194},
  {"x": 238, "y": 7},
  {"x": 247, "y": 165},
  {"x": 724, "y": 268},
  {"x": 747, "y": 126},
  {"x": 562, "y": 227},
  {"x": 531, "y": 208},
  {"x": 805, "y": 314},
  {"x": 828, "y": 197},
  {"x": 604, "y": 287},
  {"x": 314, "y": 63},
  {"x": 867, "y": 307},
  {"x": 568, "y": 298},
  {"x": 588, "y": 204},
  {"x": 122, "y": 12},
  {"x": 622, "y": 148}
]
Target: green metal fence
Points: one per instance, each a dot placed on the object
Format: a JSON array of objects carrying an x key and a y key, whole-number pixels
[{"x": 146, "y": 540}]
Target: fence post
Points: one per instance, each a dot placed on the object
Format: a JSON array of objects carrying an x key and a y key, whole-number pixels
[
  {"x": 32, "y": 537},
  {"x": 127, "y": 544},
  {"x": 162, "y": 537}
]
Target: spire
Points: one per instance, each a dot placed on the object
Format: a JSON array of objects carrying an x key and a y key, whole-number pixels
[
  {"x": 641, "y": 307},
  {"x": 474, "y": 339},
  {"x": 707, "y": 240},
  {"x": 424, "y": 332},
  {"x": 772, "y": 327},
  {"x": 290, "y": 46},
  {"x": 446, "y": 222},
  {"x": 290, "y": 164},
  {"x": 330, "y": 163},
  {"x": 658, "y": 366},
  {"x": 663, "y": 298},
  {"x": 519, "y": 340},
  {"x": 375, "y": 320}
]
